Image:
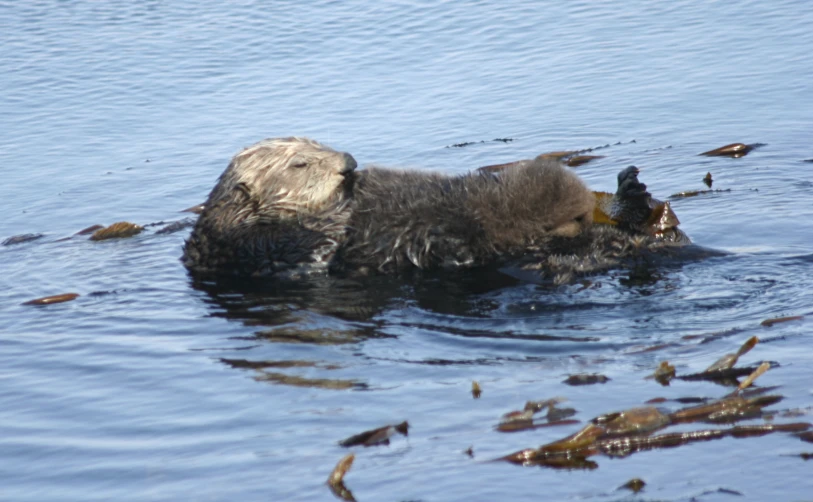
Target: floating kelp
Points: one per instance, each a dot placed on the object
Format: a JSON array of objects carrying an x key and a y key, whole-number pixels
[
  {"x": 117, "y": 231},
  {"x": 336, "y": 479},
  {"x": 662, "y": 218},
  {"x": 629, "y": 431},
  {"x": 290, "y": 334},
  {"x": 380, "y": 436},
  {"x": 723, "y": 371},
  {"x": 803, "y": 456},
  {"x": 633, "y": 207},
  {"x": 315, "y": 383},
  {"x": 729, "y": 360},
  {"x": 806, "y": 436},
  {"x": 515, "y": 421},
  {"x": 196, "y": 209},
  {"x": 776, "y": 320},
  {"x": 569, "y": 157},
  {"x": 707, "y": 179},
  {"x": 469, "y": 143},
  {"x": 604, "y": 208},
  {"x": 634, "y": 485},
  {"x": 19, "y": 239},
  {"x": 48, "y": 300},
  {"x": 735, "y": 150},
  {"x": 695, "y": 193},
  {"x": 578, "y": 160},
  {"x": 263, "y": 375},
  {"x": 585, "y": 379},
  {"x": 176, "y": 226},
  {"x": 664, "y": 373},
  {"x": 337, "y": 476},
  {"x": 246, "y": 364},
  {"x": 89, "y": 230}
]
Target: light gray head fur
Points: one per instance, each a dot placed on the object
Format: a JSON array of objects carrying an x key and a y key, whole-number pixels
[
  {"x": 288, "y": 175},
  {"x": 281, "y": 203}
]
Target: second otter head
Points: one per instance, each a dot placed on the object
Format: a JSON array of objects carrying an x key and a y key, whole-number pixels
[{"x": 291, "y": 175}]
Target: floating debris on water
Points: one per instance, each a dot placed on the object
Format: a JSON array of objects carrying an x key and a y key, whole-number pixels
[
  {"x": 476, "y": 391},
  {"x": 336, "y": 479},
  {"x": 695, "y": 193},
  {"x": 314, "y": 383},
  {"x": 664, "y": 373},
  {"x": 515, "y": 421},
  {"x": 803, "y": 455},
  {"x": 729, "y": 360},
  {"x": 579, "y": 160},
  {"x": 19, "y": 239},
  {"x": 48, "y": 300},
  {"x": 469, "y": 143},
  {"x": 776, "y": 320},
  {"x": 176, "y": 226},
  {"x": 622, "y": 433},
  {"x": 634, "y": 485},
  {"x": 586, "y": 379},
  {"x": 735, "y": 150},
  {"x": 337, "y": 476},
  {"x": 569, "y": 157},
  {"x": 806, "y": 436},
  {"x": 197, "y": 209},
  {"x": 116, "y": 231},
  {"x": 89, "y": 230},
  {"x": 375, "y": 437}
]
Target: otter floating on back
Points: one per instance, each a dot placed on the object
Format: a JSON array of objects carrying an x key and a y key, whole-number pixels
[{"x": 292, "y": 206}]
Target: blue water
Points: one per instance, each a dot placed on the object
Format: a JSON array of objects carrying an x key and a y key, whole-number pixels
[{"x": 151, "y": 387}]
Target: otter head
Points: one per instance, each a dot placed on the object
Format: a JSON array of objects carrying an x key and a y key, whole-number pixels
[{"x": 285, "y": 176}]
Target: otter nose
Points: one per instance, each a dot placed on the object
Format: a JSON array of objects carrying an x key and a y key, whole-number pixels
[{"x": 350, "y": 164}]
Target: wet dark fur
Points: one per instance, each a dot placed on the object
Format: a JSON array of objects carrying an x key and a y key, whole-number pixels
[
  {"x": 402, "y": 219},
  {"x": 271, "y": 214}
]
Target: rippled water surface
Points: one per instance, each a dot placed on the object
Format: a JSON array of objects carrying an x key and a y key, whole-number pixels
[{"x": 149, "y": 386}]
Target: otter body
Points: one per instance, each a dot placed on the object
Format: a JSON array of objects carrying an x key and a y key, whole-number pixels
[
  {"x": 292, "y": 206},
  {"x": 404, "y": 219}
]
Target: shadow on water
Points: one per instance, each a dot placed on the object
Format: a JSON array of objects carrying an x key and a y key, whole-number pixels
[
  {"x": 470, "y": 317},
  {"x": 331, "y": 310},
  {"x": 269, "y": 302}
]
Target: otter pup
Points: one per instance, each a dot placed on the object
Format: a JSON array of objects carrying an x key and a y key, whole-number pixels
[
  {"x": 402, "y": 219},
  {"x": 291, "y": 206}
]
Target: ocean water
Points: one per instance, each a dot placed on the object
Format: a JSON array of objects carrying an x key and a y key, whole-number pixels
[{"x": 150, "y": 386}]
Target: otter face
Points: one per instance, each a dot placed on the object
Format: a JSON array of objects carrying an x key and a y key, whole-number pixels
[
  {"x": 291, "y": 175},
  {"x": 573, "y": 227}
]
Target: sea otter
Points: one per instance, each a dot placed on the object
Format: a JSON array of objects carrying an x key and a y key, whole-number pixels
[{"x": 292, "y": 206}]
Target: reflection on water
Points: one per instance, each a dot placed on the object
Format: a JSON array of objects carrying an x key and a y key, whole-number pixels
[
  {"x": 158, "y": 387},
  {"x": 263, "y": 374}
]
